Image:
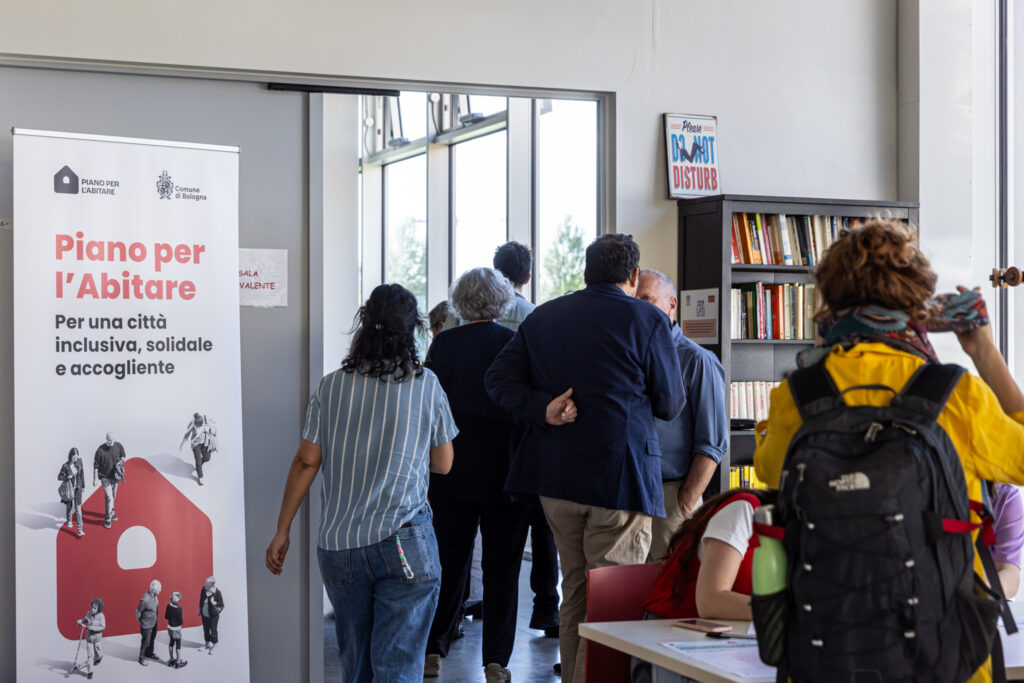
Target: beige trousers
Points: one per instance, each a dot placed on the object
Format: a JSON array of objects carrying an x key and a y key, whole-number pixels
[
  {"x": 589, "y": 537},
  {"x": 663, "y": 528}
]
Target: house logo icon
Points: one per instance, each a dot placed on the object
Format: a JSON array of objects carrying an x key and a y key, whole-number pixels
[{"x": 65, "y": 181}]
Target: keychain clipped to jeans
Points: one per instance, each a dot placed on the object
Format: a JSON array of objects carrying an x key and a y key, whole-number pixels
[{"x": 406, "y": 569}]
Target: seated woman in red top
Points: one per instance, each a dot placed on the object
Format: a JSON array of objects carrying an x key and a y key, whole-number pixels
[{"x": 707, "y": 573}]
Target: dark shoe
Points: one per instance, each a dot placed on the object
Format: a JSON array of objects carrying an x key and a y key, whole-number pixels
[
  {"x": 551, "y": 632},
  {"x": 98, "y": 660},
  {"x": 143, "y": 662},
  {"x": 558, "y": 669},
  {"x": 106, "y": 524},
  {"x": 542, "y": 622},
  {"x": 153, "y": 657},
  {"x": 181, "y": 663},
  {"x": 474, "y": 609},
  {"x": 88, "y": 676}
]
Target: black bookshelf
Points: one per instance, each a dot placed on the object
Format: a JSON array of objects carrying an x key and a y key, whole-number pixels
[{"x": 705, "y": 262}]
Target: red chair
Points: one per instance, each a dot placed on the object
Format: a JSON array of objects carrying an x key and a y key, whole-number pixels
[{"x": 615, "y": 594}]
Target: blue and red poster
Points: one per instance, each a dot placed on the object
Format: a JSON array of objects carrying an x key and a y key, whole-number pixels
[{"x": 692, "y": 147}]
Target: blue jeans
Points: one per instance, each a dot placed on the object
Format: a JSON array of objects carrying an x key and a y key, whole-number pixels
[{"x": 382, "y": 617}]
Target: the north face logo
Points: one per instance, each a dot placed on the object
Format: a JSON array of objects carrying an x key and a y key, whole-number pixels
[
  {"x": 160, "y": 534},
  {"x": 856, "y": 481},
  {"x": 65, "y": 181}
]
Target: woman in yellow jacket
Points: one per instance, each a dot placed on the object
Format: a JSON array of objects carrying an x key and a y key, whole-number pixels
[{"x": 876, "y": 306}]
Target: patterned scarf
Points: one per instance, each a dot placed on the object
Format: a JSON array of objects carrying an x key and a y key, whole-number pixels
[{"x": 952, "y": 312}]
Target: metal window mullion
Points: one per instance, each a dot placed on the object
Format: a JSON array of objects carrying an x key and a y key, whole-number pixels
[
  {"x": 438, "y": 224},
  {"x": 519, "y": 171}
]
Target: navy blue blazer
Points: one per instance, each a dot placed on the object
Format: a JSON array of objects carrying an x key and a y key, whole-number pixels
[{"x": 618, "y": 356}]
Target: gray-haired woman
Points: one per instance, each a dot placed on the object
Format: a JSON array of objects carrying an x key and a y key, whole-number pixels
[{"x": 472, "y": 494}]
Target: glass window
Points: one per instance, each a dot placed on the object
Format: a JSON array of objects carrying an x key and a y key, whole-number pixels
[
  {"x": 414, "y": 115},
  {"x": 567, "y": 189},
  {"x": 480, "y": 200},
  {"x": 486, "y": 104},
  {"x": 405, "y": 238}
]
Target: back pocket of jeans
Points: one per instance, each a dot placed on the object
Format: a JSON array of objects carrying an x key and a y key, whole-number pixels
[
  {"x": 410, "y": 554},
  {"x": 335, "y": 566}
]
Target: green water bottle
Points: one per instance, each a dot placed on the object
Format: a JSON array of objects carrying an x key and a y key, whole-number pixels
[
  {"x": 770, "y": 564},
  {"x": 769, "y": 602}
]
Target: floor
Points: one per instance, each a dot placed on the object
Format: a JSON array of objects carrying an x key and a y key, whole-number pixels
[{"x": 532, "y": 659}]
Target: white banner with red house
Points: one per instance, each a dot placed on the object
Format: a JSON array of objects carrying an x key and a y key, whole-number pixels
[{"x": 128, "y": 421}]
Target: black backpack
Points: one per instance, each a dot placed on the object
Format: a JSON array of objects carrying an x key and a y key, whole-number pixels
[{"x": 874, "y": 506}]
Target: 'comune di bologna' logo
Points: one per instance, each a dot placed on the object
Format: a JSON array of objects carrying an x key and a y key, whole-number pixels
[
  {"x": 164, "y": 185},
  {"x": 65, "y": 181}
]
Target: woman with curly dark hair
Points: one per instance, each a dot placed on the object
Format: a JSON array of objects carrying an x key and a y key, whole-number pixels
[
  {"x": 377, "y": 426},
  {"x": 877, "y": 308}
]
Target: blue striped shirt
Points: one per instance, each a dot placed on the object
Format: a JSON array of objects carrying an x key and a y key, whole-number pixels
[{"x": 376, "y": 438}]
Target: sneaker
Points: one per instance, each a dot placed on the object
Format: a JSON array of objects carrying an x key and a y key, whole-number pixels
[
  {"x": 181, "y": 663},
  {"x": 143, "y": 662},
  {"x": 153, "y": 657},
  {"x": 432, "y": 666},
  {"x": 113, "y": 517},
  {"x": 97, "y": 660},
  {"x": 558, "y": 669},
  {"x": 70, "y": 525},
  {"x": 88, "y": 676},
  {"x": 496, "y": 672},
  {"x": 81, "y": 532},
  {"x": 106, "y": 524},
  {"x": 200, "y": 481}
]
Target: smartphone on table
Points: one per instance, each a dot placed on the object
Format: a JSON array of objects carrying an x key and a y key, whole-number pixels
[{"x": 702, "y": 625}]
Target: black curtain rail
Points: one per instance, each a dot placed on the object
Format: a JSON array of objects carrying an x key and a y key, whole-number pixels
[{"x": 336, "y": 89}]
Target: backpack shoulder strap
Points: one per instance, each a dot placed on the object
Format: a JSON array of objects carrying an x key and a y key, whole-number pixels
[
  {"x": 813, "y": 390},
  {"x": 929, "y": 388}
]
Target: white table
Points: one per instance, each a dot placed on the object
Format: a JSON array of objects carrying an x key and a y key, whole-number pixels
[{"x": 642, "y": 639}]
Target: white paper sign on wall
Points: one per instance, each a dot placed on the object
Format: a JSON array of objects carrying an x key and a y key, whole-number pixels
[{"x": 263, "y": 277}]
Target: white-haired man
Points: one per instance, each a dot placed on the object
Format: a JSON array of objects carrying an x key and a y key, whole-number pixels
[
  {"x": 692, "y": 443},
  {"x": 146, "y": 614}
]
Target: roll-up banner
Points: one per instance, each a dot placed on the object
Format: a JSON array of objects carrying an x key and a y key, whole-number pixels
[{"x": 130, "y": 539}]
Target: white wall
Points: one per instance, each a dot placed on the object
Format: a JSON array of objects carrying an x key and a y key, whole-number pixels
[{"x": 805, "y": 91}]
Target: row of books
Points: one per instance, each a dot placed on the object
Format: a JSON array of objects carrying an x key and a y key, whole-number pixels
[
  {"x": 749, "y": 400},
  {"x": 773, "y": 311},
  {"x": 744, "y": 476},
  {"x": 781, "y": 240}
]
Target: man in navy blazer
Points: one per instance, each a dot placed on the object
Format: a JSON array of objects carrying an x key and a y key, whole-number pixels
[{"x": 587, "y": 373}]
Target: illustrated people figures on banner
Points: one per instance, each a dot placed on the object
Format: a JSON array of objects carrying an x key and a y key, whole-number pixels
[
  {"x": 94, "y": 623},
  {"x": 108, "y": 464},
  {"x": 201, "y": 434},
  {"x": 174, "y": 621},
  {"x": 72, "y": 483},
  {"x": 211, "y": 604},
  {"x": 146, "y": 613}
]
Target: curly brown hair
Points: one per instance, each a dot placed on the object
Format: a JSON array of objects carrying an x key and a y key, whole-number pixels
[{"x": 876, "y": 262}]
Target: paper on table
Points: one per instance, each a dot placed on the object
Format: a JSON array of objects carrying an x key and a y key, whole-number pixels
[
  {"x": 717, "y": 644},
  {"x": 740, "y": 662}
]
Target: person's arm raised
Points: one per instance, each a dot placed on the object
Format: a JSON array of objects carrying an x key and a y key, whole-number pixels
[{"x": 979, "y": 345}]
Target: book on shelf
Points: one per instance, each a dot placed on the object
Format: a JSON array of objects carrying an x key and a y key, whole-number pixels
[
  {"x": 745, "y": 476},
  {"x": 784, "y": 240},
  {"x": 773, "y": 311},
  {"x": 750, "y": 400}
]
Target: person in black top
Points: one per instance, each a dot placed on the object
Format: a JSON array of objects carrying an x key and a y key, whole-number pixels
[
  {"x": 108, "y": 465},
  {"x": 211, "y": 604},
  {"x": 174, "y": 621},
  {"x": 472, "y": 494}
]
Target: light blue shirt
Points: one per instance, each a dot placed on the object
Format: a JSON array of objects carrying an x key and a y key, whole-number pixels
[
  {"x": 376, "y": 438},
  {"x": 703, "y": 426}
]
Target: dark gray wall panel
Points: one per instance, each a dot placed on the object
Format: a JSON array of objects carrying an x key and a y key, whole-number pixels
[{"x": 271, "y": 130}]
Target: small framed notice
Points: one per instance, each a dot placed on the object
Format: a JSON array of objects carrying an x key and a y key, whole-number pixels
[
  {"x": 698, "y": 315},
  {"x": 691, "y": 142}
]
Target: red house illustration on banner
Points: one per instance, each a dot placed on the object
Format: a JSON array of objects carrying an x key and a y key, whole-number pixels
[{"x": 88, "y": 567}]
